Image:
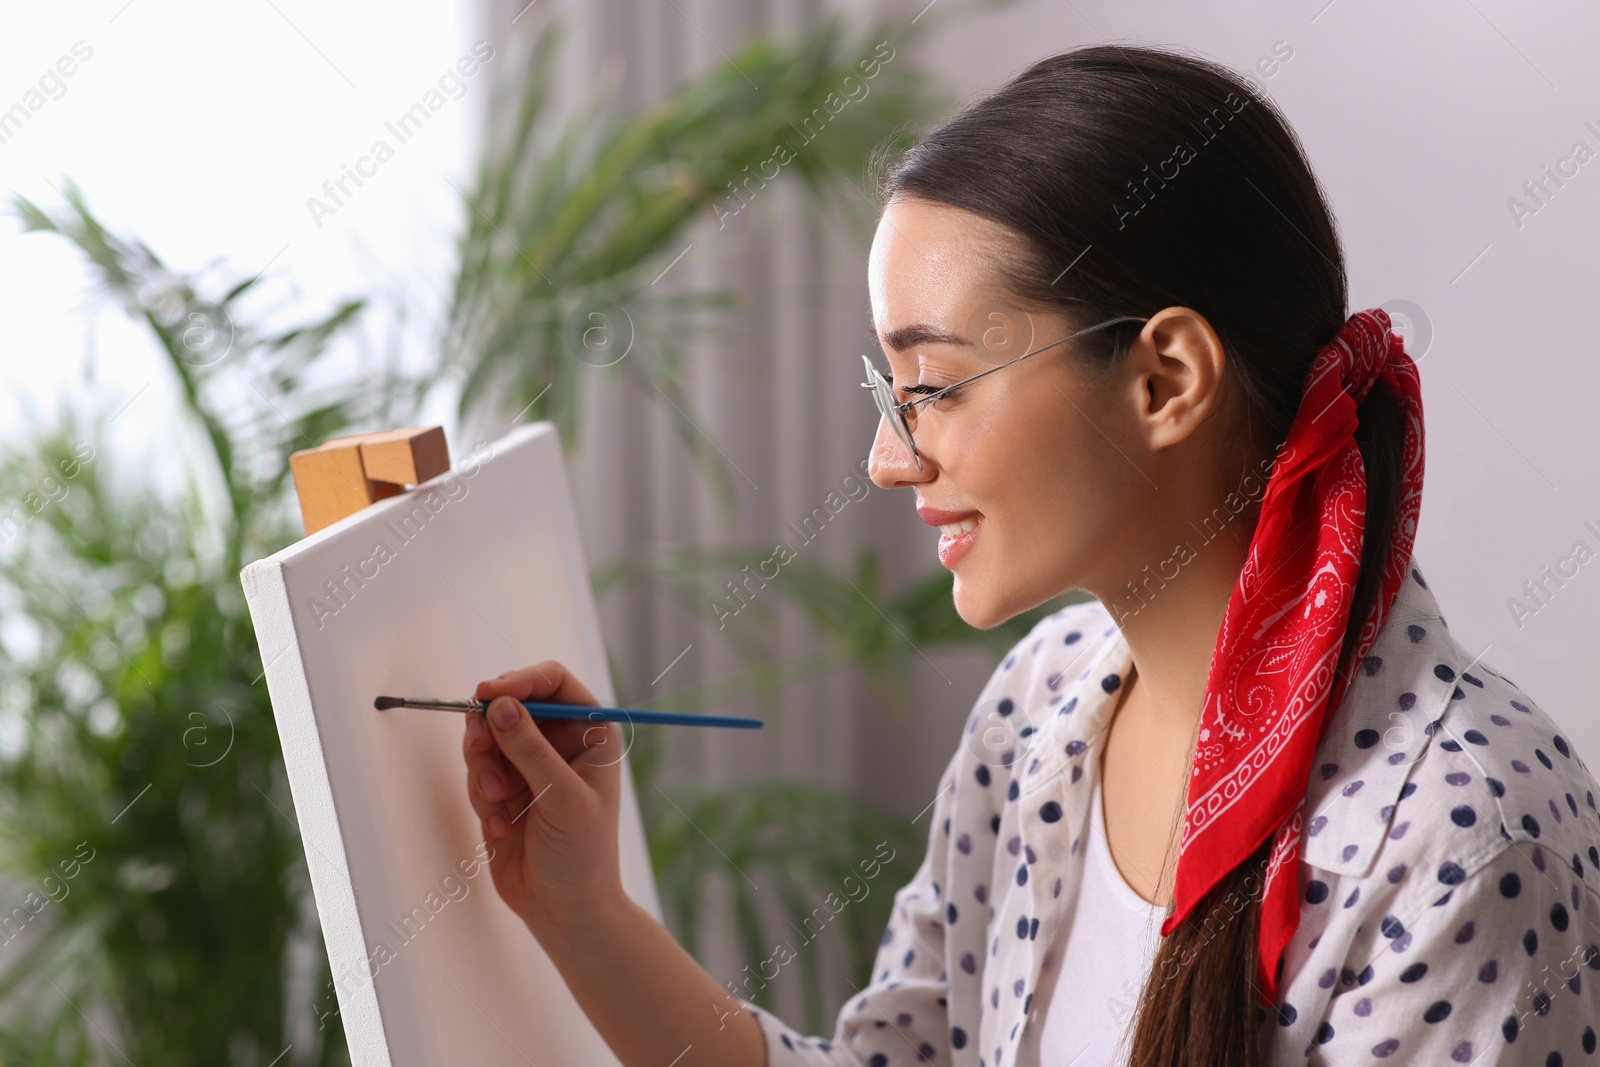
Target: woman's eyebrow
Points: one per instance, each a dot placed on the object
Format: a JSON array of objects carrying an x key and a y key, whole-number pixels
[{"x": 917, "y": 333}]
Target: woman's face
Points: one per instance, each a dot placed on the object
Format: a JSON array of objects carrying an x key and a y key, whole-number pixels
[{"x": 1044, "y": 458}]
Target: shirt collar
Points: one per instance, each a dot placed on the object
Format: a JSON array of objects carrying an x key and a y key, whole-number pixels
[
  {"x": 1069, "y": 726},
  {"x": 1381, "y": 727},
  {"x": 1368, "y": 744}
]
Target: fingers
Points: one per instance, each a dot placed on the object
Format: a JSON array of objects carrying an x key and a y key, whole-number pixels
[
  {"x": 546, "y": 681},
  {"x": 496, "y": 790},
  {"x": 481, "y": 753},
  {"x": 550, "y": 682},
  {"x": 524, "y": 746},
  {"x": 600, "y": 751},
  {"x": 549, "y": 755},
  {"x": 599, "y": 765}
]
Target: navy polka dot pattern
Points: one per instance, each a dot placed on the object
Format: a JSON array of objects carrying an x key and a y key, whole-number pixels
[{"x": 1449, "y": 876}]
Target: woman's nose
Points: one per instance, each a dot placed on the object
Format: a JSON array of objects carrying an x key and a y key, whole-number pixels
[{"x": 891, "y": 464}]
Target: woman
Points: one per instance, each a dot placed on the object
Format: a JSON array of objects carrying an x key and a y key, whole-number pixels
[{"x": 1252, "y": 804}]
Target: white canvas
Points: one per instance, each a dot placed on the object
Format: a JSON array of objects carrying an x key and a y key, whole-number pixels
[{"x": 478, "y": 571}]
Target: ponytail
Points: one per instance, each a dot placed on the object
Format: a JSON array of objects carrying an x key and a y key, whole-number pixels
[{"x": 1200, "y": 1006}]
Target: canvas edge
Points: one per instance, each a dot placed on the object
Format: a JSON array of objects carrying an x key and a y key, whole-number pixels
[{"x": 267, "y": 597}]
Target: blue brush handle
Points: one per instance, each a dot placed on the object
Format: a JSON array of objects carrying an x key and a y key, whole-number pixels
[{"x": 583, "y": 713}]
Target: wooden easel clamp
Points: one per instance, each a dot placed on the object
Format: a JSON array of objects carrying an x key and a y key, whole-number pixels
[{"x": 345, "y": 474}]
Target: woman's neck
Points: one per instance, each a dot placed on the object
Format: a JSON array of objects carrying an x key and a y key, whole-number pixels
[{"x": 1171, "y": 617}]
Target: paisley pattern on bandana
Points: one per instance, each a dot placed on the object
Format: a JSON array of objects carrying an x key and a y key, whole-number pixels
[{"x": 1274, "y": 674}]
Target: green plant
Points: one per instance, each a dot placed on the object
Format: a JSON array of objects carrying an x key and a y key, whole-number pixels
[
  {"x": 568, "y": 227},
  {"x": 568, "y": 230},
  {"x": 860, "y": 623},
  {"x": 783, "y": 852},
  {"x": 137, "y": 665},
  {"x": 799, "y": 840},
  {"x": 131, "y": 690}
]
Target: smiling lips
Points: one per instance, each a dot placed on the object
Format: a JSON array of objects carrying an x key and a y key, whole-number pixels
[{"x": 958, "y": 530}]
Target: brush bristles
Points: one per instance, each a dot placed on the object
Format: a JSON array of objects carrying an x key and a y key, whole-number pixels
[{"x": 385, "y": 703}]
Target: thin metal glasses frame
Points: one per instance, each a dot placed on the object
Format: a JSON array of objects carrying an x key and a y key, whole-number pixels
[{"x": 896, "y": 411}]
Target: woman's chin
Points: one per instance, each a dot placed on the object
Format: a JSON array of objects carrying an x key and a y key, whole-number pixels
[
  {"x": 983, "y": 606},
  {"x": 976, "y": 610}
]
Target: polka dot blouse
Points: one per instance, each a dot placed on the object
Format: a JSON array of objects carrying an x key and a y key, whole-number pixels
[{"x": 1450, "y": 874}]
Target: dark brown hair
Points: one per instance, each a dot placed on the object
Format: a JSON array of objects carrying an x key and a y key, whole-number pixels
[{"x": 1141, "y": 178}]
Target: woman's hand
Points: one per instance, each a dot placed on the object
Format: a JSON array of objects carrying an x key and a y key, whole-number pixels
[
  {"x": 546, "y": 793},
  {"x": 550, "y": 814}
]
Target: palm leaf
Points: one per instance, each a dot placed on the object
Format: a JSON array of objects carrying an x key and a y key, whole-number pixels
[
  {"x": 176, "y": 936},
  {"x": 563, "y": 221},
  {"x": 859, "y": 622}
]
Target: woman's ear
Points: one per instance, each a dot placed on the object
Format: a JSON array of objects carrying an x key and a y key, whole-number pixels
[{"x": 1176, "y": 366}]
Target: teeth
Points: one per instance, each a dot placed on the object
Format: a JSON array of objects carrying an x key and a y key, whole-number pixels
[{"x": 956, "y": 529}]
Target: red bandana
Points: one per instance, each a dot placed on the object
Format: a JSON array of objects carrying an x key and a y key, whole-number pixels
[{"x": 1273, "y": 679}]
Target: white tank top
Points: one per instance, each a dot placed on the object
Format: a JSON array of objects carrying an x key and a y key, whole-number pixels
[{"x": 1110, "y": 943}]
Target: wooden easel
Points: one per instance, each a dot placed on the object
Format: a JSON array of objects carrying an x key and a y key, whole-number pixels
[{"x": 345, "y": 474}]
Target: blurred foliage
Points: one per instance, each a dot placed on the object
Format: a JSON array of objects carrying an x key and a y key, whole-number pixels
[
  {"x": 179, "y": 925},
  {"x": 801, "y": 839},
  {"x": 861, "y": 624},
  {"x": 569, "y": 227},
  {"x": 134, "y": 730},
  {"x": 779, "y": 849},
  {"x": 131, "y": 714},
  {"x": 570, "y": 224}
]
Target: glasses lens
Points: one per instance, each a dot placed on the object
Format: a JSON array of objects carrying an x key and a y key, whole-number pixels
[{"x": 883, "y": 393}]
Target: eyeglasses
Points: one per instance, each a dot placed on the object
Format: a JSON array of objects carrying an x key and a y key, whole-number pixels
[{"x": 896, "y": 413}]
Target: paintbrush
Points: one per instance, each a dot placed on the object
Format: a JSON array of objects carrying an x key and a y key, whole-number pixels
[{"x": 579, "y": 712}]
